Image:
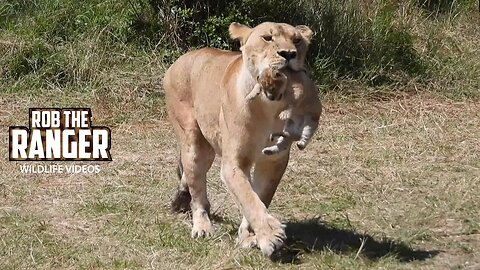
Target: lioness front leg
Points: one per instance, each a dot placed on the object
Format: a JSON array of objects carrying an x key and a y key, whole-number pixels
[
  {"x": 266, "y": 177},
  {"x": 269, "y": 232}
]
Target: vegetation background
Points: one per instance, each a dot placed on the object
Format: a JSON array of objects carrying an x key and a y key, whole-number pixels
[
  {"x": 117, "y": 50},
  {"x": 410, "y": 69}
]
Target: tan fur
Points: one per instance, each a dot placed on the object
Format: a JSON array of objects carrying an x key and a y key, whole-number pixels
[{"x": 206, "y": 94}]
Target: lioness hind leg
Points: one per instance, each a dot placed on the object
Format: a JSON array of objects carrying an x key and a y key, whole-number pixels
[
  {"x": 181, "y": 202},
  {"x": 197, "y": 156}
]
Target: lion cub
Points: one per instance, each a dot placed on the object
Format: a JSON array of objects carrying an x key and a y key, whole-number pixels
[{"x": 303, "y": 109}]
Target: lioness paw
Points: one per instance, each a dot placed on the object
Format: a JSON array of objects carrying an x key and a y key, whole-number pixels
[
  {"x": 202, "y": 230},
  {"x": 271, "y": 236},
  {"x": 202, "y": 227}
]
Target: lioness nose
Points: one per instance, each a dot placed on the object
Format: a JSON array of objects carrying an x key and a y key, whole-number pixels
[{"x": 287, "y": 54}]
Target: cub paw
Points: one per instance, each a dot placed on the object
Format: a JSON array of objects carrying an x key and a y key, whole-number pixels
[
  {"x": 285, "y": 114},
  {"x": 267, "y": 151},
  {"x": 301, "y": 145}
]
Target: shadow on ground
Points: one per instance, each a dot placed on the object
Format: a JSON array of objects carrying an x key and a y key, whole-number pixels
[{"x": 313, "y": 235}]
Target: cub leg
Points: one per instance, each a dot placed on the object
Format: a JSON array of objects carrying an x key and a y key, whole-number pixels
[
  {"x": 285, "y": 138},
  {"x": 283, "y": 143},
  {"x": 308, "y": 130},
  {"x": 257, "y": 89},
  {"x": 246, "y": 237}
]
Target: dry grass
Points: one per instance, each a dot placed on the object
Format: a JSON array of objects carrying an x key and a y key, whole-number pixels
[
  {"x": 402, "y": 176},
  {"x": 391, "y": 180}
]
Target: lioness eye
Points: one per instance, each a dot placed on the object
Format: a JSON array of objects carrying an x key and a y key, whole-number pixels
[
  {"x": 297, "y": 40},
  {"x": 267, "y": 38}
]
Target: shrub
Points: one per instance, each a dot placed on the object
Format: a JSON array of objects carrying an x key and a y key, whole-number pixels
[
  {"x": 442, "y": 6},
  {"x": 372, "y": 42},
  {"x": 349, "y": 42}
]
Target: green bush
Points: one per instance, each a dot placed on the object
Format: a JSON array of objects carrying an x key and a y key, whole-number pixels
[
  {"x": 442, "y": 6},
  {"x": 368, "y": 42},
  {"x": 27, "y": 60},
  {"x": 183, "y": 25},
  {"x": 348, "y": 43},
  {"x": 50, "y": 38},
  {"x": 46, "y": 63}
]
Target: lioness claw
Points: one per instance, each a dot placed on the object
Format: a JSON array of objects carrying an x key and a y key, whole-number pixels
[{"x": 272, "y": 236}]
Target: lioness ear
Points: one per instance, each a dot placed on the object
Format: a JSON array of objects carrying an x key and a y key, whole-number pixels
[
  {"x": 305, "y": 31},
  {"x": 239, "y": 32}
]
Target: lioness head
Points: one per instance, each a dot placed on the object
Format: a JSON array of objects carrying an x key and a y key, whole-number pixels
[{"x": 272, "y": 45}]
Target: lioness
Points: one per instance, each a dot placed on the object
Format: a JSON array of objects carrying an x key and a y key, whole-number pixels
[
  {"x": 303, "y": 110},
  {"x": 205, "y": 94}
]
